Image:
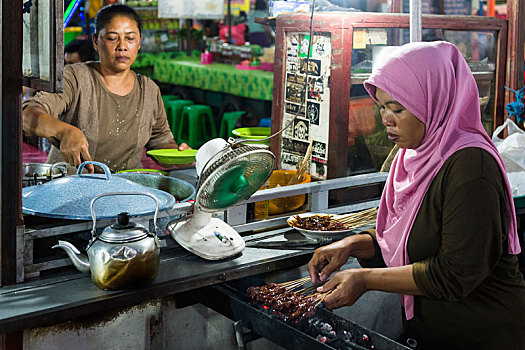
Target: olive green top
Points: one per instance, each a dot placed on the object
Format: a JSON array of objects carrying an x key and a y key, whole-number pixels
[
  {"x": 117, "y": 128},
  {"x": 474, "y": 294}
]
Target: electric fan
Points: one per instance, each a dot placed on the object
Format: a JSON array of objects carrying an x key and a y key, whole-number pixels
[{"x": 228, "y": 174}]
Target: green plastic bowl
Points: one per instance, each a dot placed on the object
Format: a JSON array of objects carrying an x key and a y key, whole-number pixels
[
  {"x": 173, "y": 156},
  {"x": 256, "y": 133}
]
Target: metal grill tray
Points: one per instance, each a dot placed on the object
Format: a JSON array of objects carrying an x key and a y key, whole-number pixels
[{"x": 231, "y": 301}]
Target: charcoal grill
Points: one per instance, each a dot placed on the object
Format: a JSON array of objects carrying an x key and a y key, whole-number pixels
[{"x": 324, "y": 330}]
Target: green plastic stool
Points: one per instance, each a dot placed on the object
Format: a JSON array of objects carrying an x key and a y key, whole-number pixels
[
  {"x": 173, "y": 111},
  {"x": 166, "y": 98},
  {"x": 228, "y": 123},
  {"x": 196, "y": 126}
]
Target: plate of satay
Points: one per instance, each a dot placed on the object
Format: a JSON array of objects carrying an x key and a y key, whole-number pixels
[{"x": 318, "y": 226}]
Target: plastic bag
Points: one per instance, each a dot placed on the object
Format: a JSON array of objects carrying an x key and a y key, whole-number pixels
[{"x": 512, "y": 150}]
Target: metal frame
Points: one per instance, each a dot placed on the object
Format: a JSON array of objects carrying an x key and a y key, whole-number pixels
[
  {"x": 56, "y": 57},
  {"x": 341, "y": 27}
]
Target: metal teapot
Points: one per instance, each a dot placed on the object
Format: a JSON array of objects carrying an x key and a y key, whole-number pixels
[{"x": 124, "y": 255}]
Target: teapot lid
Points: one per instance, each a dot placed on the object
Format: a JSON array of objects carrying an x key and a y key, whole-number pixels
[{"x": 123, "y": 231}]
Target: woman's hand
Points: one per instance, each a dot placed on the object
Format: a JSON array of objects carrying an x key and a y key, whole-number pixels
[
  {"x": 73, "y": 146},
  {"x": 173, "y": 145},
  {"x": 344, "y": 288},
  {"x": 331, "y": 257},
  {"x": 183, "y": 146},
  {"x": 328, "y": 259},
  {"x": 348, "y": 286}
]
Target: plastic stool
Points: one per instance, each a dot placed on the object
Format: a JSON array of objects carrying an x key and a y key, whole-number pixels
[
  {"x": 174, "y": 111},
  {"x": 265, "y": 122},
  {"x": 228, "y": 123},
  {"x": 166, "y": 98},
  {"x": 196, "y": 126}
]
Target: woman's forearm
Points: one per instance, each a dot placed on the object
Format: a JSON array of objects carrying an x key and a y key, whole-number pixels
[
  {"x": 36, "y": 121},
  {"x": 361, "y": 246},
  {"x": 397, "y": 279}
]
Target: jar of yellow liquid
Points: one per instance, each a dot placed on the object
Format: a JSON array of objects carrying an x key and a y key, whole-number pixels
[{"x": 261, "y": 208}]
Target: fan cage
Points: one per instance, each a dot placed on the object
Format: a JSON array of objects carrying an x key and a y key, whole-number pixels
[{"x": 258, "y": 165}]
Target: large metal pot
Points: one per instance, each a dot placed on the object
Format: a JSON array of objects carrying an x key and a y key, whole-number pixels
[
  {"x": 38, "y": 173},
  {"x": 70, "y": 197}
]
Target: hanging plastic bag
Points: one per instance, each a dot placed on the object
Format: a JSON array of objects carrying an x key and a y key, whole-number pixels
[{"x": 512, "y": 150}]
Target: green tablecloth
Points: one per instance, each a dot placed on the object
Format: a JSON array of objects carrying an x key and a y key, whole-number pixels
[{"x": 188, "y": 71}]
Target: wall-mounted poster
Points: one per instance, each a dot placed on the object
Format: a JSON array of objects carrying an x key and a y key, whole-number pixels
[
  {"x": 198, "y": 9},
  {"x": 306, "y": 102}
]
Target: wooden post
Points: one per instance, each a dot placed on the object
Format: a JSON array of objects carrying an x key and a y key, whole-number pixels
[
  {"x": 515, "y": 48},
  {"x": 415, "y": 20},
  {"x": 229, "y": 19},
  {"x": 10, "y": 154}
]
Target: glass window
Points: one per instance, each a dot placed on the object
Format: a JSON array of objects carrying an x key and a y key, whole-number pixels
[
  {"x": 368, "y": 145},
  {"x": 43, "y": 54}
]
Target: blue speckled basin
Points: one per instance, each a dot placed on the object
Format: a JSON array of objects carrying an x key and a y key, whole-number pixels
[
  {"x": 182, "y": 190},
  {"x": 70, "y": 197}
]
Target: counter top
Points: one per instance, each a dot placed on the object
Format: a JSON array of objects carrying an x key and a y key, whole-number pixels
[{"x": 71, "y": 294}]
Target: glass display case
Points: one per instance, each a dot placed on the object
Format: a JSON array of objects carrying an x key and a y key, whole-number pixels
[{"x": 336, "y": 111}]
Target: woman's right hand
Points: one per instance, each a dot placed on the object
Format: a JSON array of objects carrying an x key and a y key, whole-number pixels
[
  {"x": 331, "y": 257},
  {"x": 328, "y": 259},
  {"x": 73, "y": 144},
  {"x": 75, "y": 147}
]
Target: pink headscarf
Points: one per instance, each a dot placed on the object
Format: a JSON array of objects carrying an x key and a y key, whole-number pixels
[{"x": 433, "y": 81}]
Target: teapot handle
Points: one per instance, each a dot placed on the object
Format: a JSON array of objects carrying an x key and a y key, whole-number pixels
[{"x": 93, "y": 230}]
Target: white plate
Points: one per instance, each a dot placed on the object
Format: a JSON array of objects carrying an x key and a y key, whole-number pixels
[{"x": 317, "y": 235}]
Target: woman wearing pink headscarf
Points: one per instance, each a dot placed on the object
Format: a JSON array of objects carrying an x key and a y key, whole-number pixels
[{"x": 445, "y": 238}]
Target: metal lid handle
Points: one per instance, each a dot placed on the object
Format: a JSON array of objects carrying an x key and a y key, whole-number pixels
[
  {"x": 59, "y": 164},
  {"x": 102, "y": 165},
  {"x": 93, "y": 230}
]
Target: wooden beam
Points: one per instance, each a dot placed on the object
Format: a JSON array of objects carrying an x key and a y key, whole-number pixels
[
  {"x": 515, "y": 47},
  {"x": 10, "y": 154}
]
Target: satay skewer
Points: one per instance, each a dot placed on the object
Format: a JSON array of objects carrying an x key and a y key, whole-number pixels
[
  {"x": 303, "y": 280},
  {"x": 368, "y": 214}
]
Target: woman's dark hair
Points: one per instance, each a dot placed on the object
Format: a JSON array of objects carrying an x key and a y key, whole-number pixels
[{"x": 107, "y": 13}]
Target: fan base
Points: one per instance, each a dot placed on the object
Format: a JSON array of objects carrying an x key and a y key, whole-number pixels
[{"x": 214, "y": 241}]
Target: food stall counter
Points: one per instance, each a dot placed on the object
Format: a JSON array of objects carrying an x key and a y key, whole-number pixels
[{"x": 65, "y": 296}]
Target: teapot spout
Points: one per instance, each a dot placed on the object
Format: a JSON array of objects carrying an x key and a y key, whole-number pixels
[{"x": 79, "y": 260}]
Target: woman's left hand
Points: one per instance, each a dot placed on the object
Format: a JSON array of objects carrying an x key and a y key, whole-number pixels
[
  {"x": 344, "y": 288},
  {"x": 183, "y": 146}
]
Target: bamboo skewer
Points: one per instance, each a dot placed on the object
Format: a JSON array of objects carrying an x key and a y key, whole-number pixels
[
  {"x": 321, "y": 299},
  {"x": 359, "y": 213},
  {"x": 361, "y": 218},
  {"x": 303, "y": 280},
  {"x": 306, "y": 291}
]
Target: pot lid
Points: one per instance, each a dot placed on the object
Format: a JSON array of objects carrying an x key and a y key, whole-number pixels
[
  {"x": 123, "y": 231},
  {"x": 69, "y": 197}
]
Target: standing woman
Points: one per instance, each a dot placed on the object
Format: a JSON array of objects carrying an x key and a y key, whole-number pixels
[
  {"x": 106, "y": 112},
  {"x": 446, "y": 237}
]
